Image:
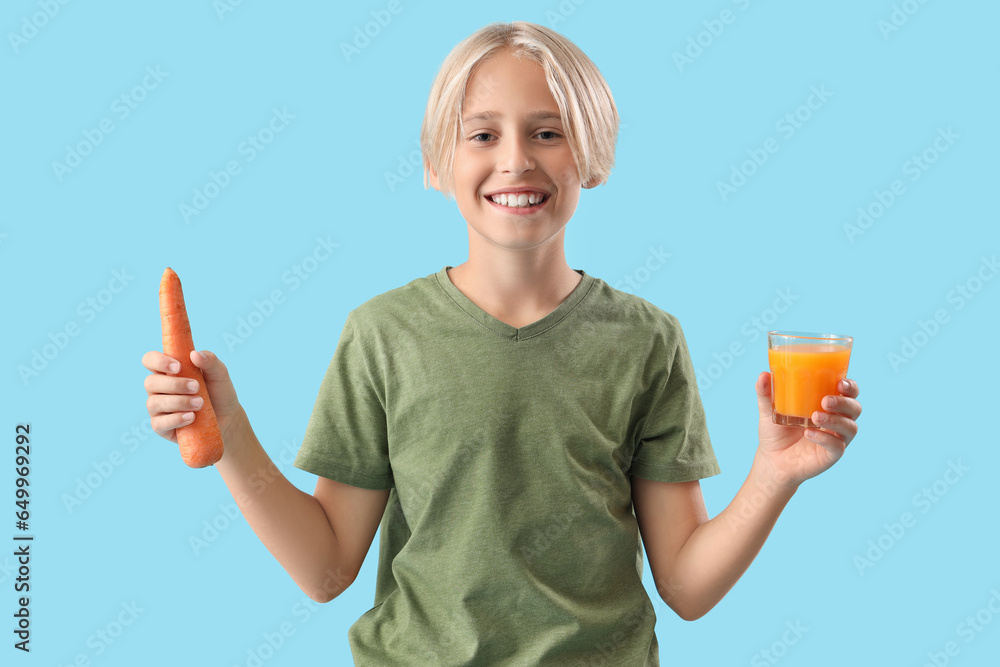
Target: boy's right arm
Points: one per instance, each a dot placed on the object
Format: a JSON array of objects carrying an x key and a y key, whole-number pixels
[{"x": 322, "y": 539}]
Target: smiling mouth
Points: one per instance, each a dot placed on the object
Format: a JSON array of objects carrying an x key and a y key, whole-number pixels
[{"x": 519, "y": 202}]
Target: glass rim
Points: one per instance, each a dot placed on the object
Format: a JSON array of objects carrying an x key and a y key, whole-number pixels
[{"x": 810, "y": 335}]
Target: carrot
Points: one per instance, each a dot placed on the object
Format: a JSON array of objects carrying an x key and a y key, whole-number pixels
[{"x": 200, "y": 441}]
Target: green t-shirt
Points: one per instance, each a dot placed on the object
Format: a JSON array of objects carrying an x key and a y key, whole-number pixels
[{"x": 509, "y": 536}]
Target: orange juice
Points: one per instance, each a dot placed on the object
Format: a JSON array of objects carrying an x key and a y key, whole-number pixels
[{"x": 801, "y": 375}]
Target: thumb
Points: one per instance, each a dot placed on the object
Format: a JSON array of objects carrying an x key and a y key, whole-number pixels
[
  {"x": 217, "y": 381},
  {"x": 764, "y": 394},
  {"x": 206, "y": 361}
]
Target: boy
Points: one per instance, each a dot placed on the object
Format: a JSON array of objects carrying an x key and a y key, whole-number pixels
[{"x": 514, "y": 424}]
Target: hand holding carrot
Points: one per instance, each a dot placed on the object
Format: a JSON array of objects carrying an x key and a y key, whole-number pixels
[{"x": 173, "y": 402}]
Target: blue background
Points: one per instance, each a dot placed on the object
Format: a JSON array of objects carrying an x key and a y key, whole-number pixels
[{"x": 114, "y": 510}]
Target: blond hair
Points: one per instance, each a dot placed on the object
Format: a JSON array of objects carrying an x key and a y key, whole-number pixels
[{"x": 590, "y": 118}]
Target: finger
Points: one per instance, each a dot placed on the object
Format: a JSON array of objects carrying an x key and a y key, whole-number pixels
[
  {"x": 839, "y": 426},
  {"x": 764, "y": 384},
  {"x": 217, "y": 380},
  {"x": 159, "y": 404},
  {"x": 211, "y": 366},
  {"x": 167, "y": 384},
  {"x": 763, "y": 388},
  {"x": 160, "y": 363},
  {"x": 166, "y": 425},
  {"x": 842, "y": 405},
  {"x": 848, "y": 387},
  {"x": 831, "y": 443}
]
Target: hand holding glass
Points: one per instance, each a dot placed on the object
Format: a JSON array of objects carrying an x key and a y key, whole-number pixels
[{"x": 805, "y": 367}]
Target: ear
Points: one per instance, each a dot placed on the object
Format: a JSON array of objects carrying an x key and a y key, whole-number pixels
[{"x": 432, "y": 176}]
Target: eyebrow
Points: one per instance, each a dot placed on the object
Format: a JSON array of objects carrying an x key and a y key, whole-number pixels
[{"x": 496, "y": 115}]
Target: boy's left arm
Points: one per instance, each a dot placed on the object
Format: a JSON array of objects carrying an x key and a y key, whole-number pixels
[{"x": 696, "y": 561}]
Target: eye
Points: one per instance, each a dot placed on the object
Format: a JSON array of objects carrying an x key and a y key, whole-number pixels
[
  {"x": 554, "y": 135},
  {"x": 475, "y": 137}
]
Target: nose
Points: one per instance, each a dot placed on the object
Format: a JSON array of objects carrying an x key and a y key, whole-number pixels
[{"x": 514, "y": 155}]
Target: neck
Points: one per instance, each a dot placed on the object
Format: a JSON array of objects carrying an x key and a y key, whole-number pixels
[{"x": 515, "y": 290}]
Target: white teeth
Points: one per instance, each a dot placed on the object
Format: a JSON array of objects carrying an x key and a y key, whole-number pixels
[{"x": 521, "y": 200}]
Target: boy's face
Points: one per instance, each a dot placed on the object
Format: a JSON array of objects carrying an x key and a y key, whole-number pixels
[{"x": 513, "y": 138}]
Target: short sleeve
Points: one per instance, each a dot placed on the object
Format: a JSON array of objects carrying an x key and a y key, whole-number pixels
[
  {"x": 674, "y": 445},
  {"x": 345, "y": 439}
]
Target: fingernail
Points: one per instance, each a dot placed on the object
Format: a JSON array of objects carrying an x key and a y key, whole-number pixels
[
  {"x": 174, "y": 367},
  {"x": 828, "y": 402},
  {"x": 202, "y": 355},
  {"x": 192, "y": 385},
  {"x": 196, "y": 402}
]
